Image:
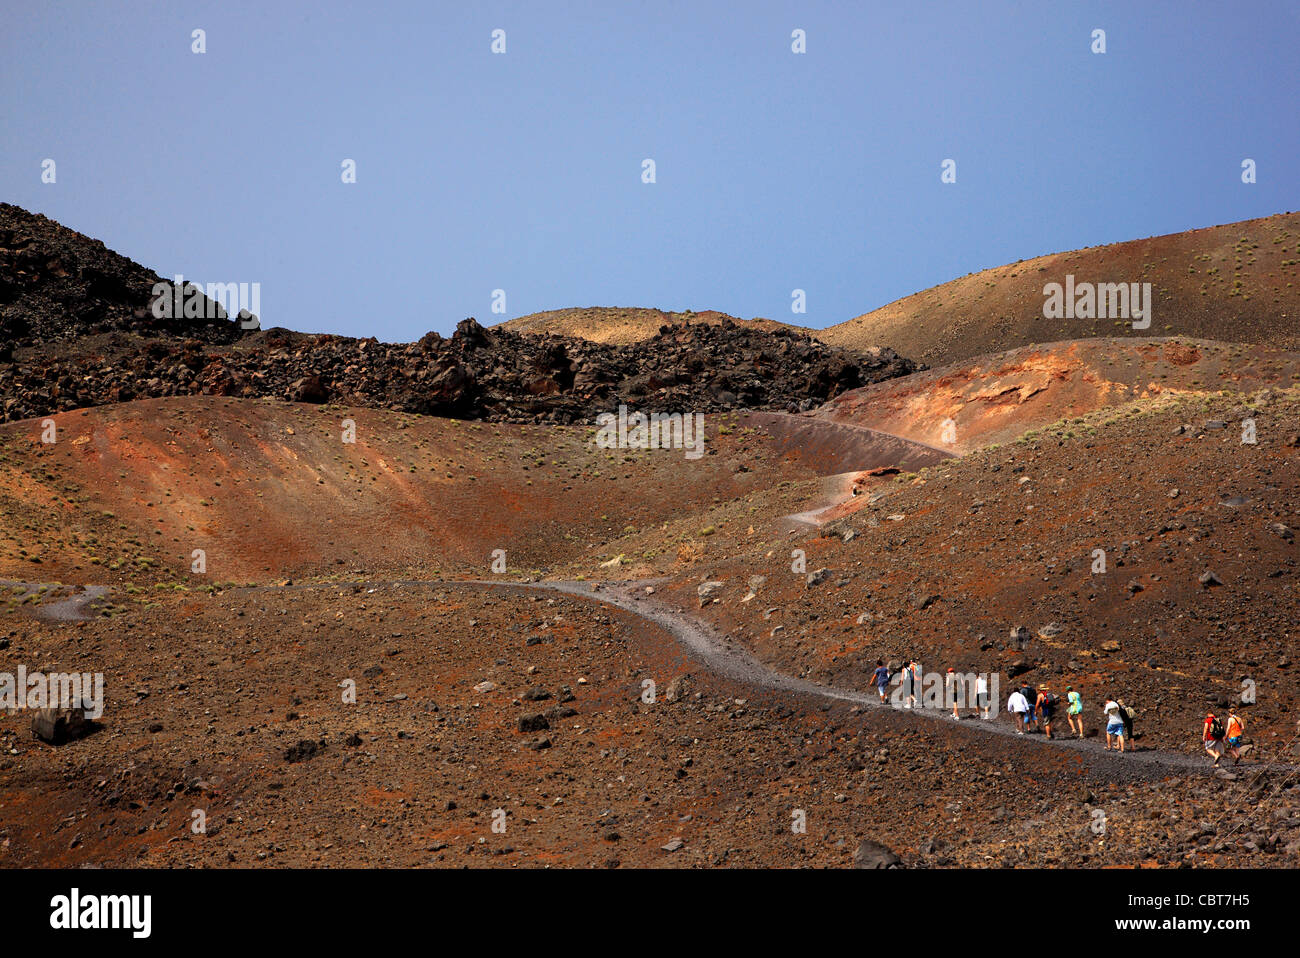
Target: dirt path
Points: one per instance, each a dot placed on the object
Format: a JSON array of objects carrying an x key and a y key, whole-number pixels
[
  {"x": 729, "y": 660},
  {"x": 76, "y": 607},
  {"x": 726, "y": 658}
]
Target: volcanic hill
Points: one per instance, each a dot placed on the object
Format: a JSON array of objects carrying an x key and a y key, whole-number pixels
[
  {"x": 1234, "y": 283},
  {"x": 354, "y": 629},
  {"x": 615, "y": 324},
  {"x": 78, "y": 329}
]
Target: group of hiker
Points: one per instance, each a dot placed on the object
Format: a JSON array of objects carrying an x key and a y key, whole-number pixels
[
  {"x": 1035, "y": 709},
  {"x": 1222, "y": 737},
  {"x": 957, "y": 689}
]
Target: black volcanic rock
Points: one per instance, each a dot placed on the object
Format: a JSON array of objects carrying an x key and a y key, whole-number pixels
[
  {"x": 57, "y": 285},
  {"x": 76, "y": 330}
]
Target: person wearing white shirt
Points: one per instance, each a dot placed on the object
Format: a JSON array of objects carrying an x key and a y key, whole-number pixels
[
  {"x": 1018, "y": 706},
  {"x": 1114, "y": 724}
]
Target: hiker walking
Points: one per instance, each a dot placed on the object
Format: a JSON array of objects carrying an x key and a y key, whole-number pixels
[
  {"x": 1031, "y": 716},
  {"x": 982, "y": 695},
  {"x": 1212, "y": 733},
  {"x": 1074, "y": 711},
  {"x": 1045, "y": 707},
  {"x": 1235, "y": 730},
  {"x": 1114, "y": 724},
  {"x": 1018, "y": 706},
  {"x": 882, "y": 676},
  {"x": 913, "y": 683},
  {"x": 1126, "y": 715},
  {"x": 954, "y": 688}
]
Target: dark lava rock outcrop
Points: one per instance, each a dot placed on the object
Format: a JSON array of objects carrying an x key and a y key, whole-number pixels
[
  {"x": 475, "y": 374},
  {"x": 77, "y": 329},
  {"x": 57, "y": 285}
]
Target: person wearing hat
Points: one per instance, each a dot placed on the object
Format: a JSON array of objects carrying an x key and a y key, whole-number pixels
[
  {"x": 1074, "y": 711},
  {"x": 1045, "y": 707},
  {"x": 1212, "y": 736}
]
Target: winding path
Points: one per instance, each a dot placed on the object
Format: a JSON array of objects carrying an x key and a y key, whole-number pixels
[{"x": 728, "y": 659}]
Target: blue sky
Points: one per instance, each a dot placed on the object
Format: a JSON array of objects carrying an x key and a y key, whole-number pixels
[{"x": 522, "y": 171}]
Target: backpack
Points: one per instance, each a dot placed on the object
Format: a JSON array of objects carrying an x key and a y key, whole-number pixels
[
  {"x": 1216, "y": 729},
  {"x": 1051, "y": 700},
  {"x": 1130, "y": 712}
]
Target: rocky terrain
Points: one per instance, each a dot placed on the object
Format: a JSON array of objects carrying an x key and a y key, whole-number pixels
[
  {"x": 79, "y": 329},
  {"x": 616, "y": 324},
  {"x": 340, "y": 626},
  {"x": 1234, "y": 283},
  {"x": 945, "y": 563},
  {"x": 999, "y": 397},
  {"x": 530, "y": 712},
  {"x": 475, "y": 374},
  {"x": 58, "y": 286},
  {"x": 1195, "y": 597}
]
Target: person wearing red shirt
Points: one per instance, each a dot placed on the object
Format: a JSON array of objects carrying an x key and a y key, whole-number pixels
[{"x": 1212, "y": 736}]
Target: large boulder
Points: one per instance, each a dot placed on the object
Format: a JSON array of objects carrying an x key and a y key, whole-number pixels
[
  {"x": 451, "y": 388},
  {"x": 708, "y": 591},
  {"x": 59, "y": 725},
  {"x": 533, "y": 722},
  {"x": 309, "y": 389},
  {"x": 816, "y": 577},
  {"x": 871, "y": 854}
]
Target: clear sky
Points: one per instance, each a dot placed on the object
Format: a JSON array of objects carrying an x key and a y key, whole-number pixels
[{"x": 522, "y": 171}]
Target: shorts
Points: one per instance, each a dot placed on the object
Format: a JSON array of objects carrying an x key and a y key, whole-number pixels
[
  {"x": 1075, "y": 711},
  {"x": 1115, "y": 728},
  {"x": 1235, "y": 741},
  {"x": 982, "y": 700},
  {"x": 1215, "y": 747}
]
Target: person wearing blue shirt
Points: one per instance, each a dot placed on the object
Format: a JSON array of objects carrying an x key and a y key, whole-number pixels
[{"x": 882, "y": 680}]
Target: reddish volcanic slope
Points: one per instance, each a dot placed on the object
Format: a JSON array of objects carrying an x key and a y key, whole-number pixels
[
  {"x": 994, "y": 399},
  {"x": 1235, "y": 283}
]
